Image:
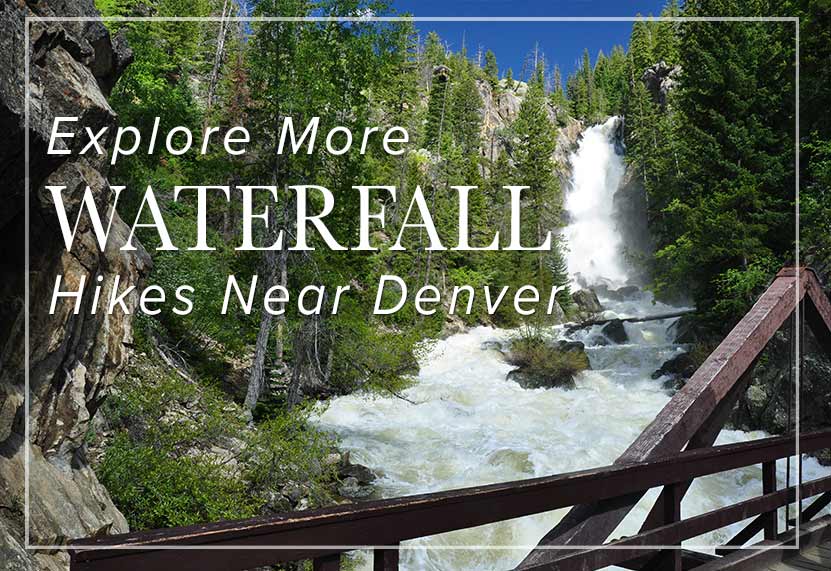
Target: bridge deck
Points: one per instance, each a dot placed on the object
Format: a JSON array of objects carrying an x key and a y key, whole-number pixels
[
  {"x": 814, "y": 553},
  {"x": 814, "y": 559}
]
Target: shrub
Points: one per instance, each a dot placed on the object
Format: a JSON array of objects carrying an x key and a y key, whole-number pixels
[
  {"x": 154, "y": 489},
  {"x": 541, "y": 362},
  {"x": 287, "y": 448}
]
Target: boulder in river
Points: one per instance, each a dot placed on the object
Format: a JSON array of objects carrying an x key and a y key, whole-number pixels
[
  {"x": 586, "y": 301},
  {"x": 688, "y": 330},
  {"x": 529, "y": 378},
  {"x": 615, "y": 331},
  {"x": 568, "y": 345},
  {"x": 545, "y": 365},
  {"x": 678, "y": 370},
  {"x": 628, "y": 292}
]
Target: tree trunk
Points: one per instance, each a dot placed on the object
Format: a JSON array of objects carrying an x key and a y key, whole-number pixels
[
  {"x": 256, "y": 379},
  {"x": 218, "y": 56}
]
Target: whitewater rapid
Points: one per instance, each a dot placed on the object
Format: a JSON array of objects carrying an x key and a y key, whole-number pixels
[
  {"x": 464, "y": 424},
  {"x": 470, "y": 426}
]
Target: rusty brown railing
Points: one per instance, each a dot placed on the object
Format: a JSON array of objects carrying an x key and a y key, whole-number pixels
[{"x": 673, "y": 450}]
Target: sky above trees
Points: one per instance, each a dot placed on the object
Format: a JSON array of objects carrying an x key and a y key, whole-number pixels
[{"x": 561, "y": 42}]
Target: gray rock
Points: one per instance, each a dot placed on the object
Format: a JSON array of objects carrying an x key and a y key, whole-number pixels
[
  {"x": 73, "y": 358},
  {"x": 659, "y": 79},
  {"x": 587, "y": 302},
  {"x": 678, "y": 370},
  {"x": 294, "y": 491},
  {"x": 350, "y": 487},
  {"x": 615, "y": 331},
  {"x": 361, "y": 473},
  {"x": 628, "y": 292},
  {"x": 529, "y": 379},
  {"x": 770, "y": 395},
  {"x": 687, "y": 330},
  {"x": 276, "y": 502},
  {"x": 491, "y": 345}
]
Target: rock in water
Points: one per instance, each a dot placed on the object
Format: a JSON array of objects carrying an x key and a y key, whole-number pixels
[
  {"x": 567, "y": 345},
  {"x": 628, "y": 292},
  {"x": 678, "y": 370},
  {"x": 73, "y": 360},
  {"x": 615, "y": 331},
  {"x": 687, "y": 330},
  {"x": 587, "y": 301},
  {"x": 531, "y": 379}
]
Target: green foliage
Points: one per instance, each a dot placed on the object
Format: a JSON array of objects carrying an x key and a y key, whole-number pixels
[
  {"x": 287, "y": 448},
  {"x": 716, "y": 159},
  {"x": 815, "y": 202},
  {"x": 738, "y": 288},
  {"x": 155, "y": 490},
  {"x": 491, "y": 69},
  {"x": 152, "y": 466},
  {"x": 533, "y": 352},
  {"x": 596, "y": 92}
]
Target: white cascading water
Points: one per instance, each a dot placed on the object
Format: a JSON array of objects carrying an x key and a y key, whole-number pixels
[
  {"x": 467, "y": 425},
  {"x": 594, "y": 244}
]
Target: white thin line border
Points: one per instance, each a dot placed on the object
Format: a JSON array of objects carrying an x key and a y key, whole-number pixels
[{"x": 359, "y": 19}]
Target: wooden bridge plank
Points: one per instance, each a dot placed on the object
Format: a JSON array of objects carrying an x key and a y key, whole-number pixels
[
  {"x": 818, "y": 557},
  {"x": 703, "y": 438},
  {"x": 769, "y": 554},
  {"x": 683, "y": 416},
  {"x": 638, "y": 546},
  {"x": 385, "y": 560},
  {"x": 386, "y": 522}
]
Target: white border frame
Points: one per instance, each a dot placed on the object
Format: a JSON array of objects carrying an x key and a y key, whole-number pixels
[{"x": 472, "y": 19}]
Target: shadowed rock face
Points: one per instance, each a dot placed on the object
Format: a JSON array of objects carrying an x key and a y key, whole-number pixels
[{"x": 73, "y": 358}]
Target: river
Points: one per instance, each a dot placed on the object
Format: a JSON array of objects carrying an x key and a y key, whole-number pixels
[{"x": 467, "y": 425}]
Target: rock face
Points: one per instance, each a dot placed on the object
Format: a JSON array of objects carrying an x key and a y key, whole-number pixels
[
  {"x": 770, "y": 395},
  {"x": 73, "y": 358},
  {"x": 659, "y": 79},
  {"x": 500, "y": 108},
  {"x": 631, "y": 215}
]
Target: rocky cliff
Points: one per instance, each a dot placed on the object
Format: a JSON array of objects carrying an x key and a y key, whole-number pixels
[{"x": 72, "y": 358}]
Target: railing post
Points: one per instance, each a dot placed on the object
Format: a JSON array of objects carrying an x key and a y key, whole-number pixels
[
  {"x": 385, "y": 559},
  {"x": 771, "y": 524},
  {"x": 672, "y": 514},
  {"x": 329, "y": 562}
]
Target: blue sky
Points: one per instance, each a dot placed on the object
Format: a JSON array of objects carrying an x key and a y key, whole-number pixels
[{"x": 562, "y": 42}]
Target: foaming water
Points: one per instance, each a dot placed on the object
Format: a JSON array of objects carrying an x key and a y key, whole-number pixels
[
  {"x": 594, "y": 243},
  {"x": 470, "y": 426},
  {"x": 467, "y": 425}
]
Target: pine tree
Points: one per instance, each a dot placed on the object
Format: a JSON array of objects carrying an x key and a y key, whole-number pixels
[
  {"x": 558, "y": 95},
  {"x": 436, "y": 112},
  {"x": 465, "y": 114},
  {"x": 666, "y": 43},
  {"x": 491, "y": 69},
  {"x": 535, "y": 168},
  {"x": 642, "y": 45},
  {"x": 434, "y": 52}
]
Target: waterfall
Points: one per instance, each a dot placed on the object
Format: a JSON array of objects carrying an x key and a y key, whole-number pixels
[
  {"x": 594, "y": 243},
  {"x": 464, "y": 424}
]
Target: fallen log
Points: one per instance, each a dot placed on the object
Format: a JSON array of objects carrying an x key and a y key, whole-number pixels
[{"x": 634, "y": 319}]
